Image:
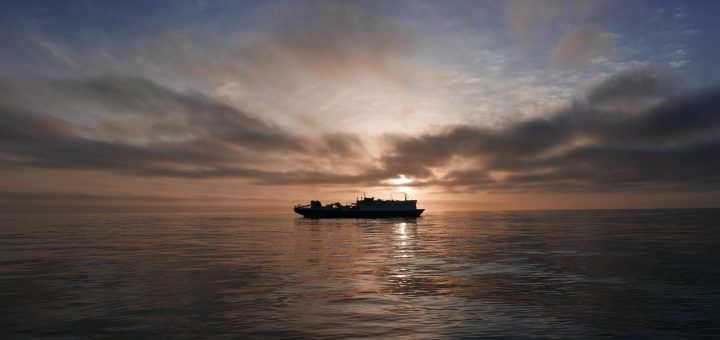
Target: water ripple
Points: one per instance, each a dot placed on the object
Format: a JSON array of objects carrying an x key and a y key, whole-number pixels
[{"x": 625, "y": 273}]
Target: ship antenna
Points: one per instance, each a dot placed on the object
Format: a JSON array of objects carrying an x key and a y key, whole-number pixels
[{"x": 405, "y": 195}]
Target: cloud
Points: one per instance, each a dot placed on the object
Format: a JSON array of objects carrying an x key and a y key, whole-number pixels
[
  {"x": 678, "y": 63},
  {"x": 74, "y": 124},
  {"x": 322, "y": 40},
  {"x": 310, "y": 61},
  {"x": 140, "y": 119},
  {"x": 532, "y": 19},
  {"x": 635, "y": 131},
  {"x": 188, "y": 104},
  {"x": 144, "y": 98},
  {"x": 583, "y": 45},
  {"x": 45, "y": 196},
  {"x": 667, "y": 145},
  {"x": 335, "y": 38},
  {"x": 636, "y": 87},
  {"x": 297, "y": 62}
]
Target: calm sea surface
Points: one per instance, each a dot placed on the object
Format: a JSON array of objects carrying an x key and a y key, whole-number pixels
[{"x": 568, "y": 274}]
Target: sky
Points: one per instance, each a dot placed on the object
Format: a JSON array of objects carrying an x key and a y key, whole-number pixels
[{"x": 136, "y": 106}]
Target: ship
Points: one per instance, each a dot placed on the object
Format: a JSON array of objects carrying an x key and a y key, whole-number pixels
[{"x": 365, "y": 207}]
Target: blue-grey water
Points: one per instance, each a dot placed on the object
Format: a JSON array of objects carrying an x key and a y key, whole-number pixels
[{"x": 554, "y": 274}]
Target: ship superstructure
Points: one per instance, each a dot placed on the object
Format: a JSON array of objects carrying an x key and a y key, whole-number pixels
[{"x": 365, "y": 207}]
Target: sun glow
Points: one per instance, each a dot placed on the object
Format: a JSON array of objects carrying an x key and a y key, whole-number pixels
[{"x": 400, "y": 180}]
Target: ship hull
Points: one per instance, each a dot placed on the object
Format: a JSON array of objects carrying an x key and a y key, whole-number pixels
[{"x": 322, "y": 213}]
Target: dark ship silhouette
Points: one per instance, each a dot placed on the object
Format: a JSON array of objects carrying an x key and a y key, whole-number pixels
[{"x": 367, "y": 207}]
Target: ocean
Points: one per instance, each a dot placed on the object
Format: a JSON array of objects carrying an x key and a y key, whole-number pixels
[{"x": 524, "y": 274}]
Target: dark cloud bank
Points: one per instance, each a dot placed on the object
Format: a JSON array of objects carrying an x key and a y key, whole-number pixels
[
  {"x": 636, "y": 131},
  {"x": 147, "y": 129}
]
